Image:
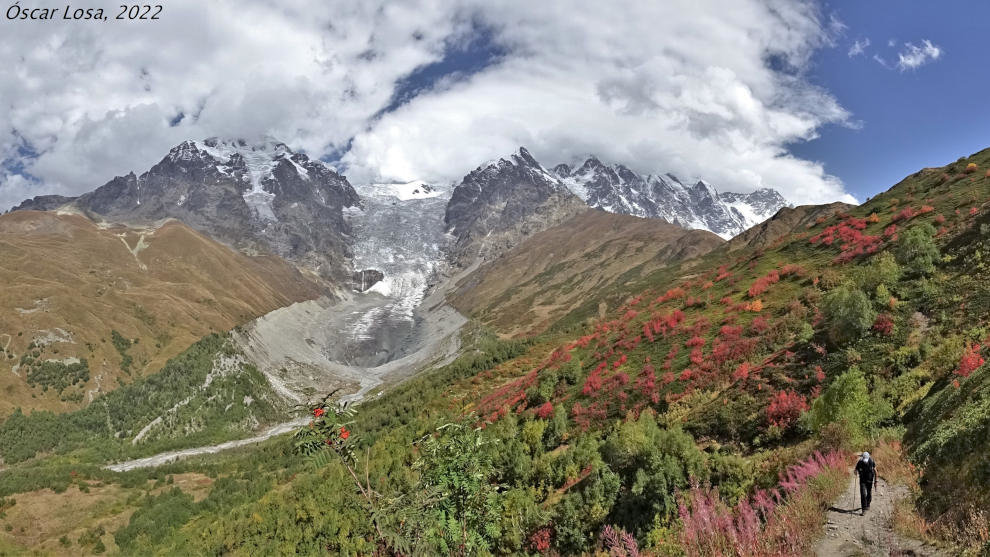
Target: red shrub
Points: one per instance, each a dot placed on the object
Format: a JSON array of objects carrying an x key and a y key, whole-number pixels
[
  {"x": 791, "y": 269},
  {"x": 763, "y": 284},
  {"x": 905, "y": 214},
  {"x": 971, "y": 360},
  {"x": 672, "y": 294},
  {"x": 545, "y": 410},
  {"x": 819, "y": 374},
  {"x": 760, "y": 324},
  {"x": 592, "y": 384},
  {"x": 742, "y": 372},
  {"x": 785, "y": 409},
  {"x": 694, "y": 342},
  {"x": 647, "y": 384},
  {"x": 541, "y": 540},
  {"x": 884, "y": 324}
]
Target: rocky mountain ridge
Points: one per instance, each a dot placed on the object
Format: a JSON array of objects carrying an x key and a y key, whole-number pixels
[
  {"x": 259, "y": 197},
  {"x": 617, "y": 189},
  {"x": 503, "y": 201}
]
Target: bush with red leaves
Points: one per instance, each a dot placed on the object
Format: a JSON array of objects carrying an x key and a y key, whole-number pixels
[
  {"x": 884, "y": 324},
  {"x": 905, "y": 214},
  {"x": 760, "y": 324},
  {"x": 785, "y": 409},
  {"x": 971, "y": 360},
  {"x": 541, "y": 540},
  {"x": 545, "y": 410},
  {"x": 763, "y": 283}
]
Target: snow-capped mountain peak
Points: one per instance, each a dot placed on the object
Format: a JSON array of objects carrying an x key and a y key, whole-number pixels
[{"x": 617, "y": 189}]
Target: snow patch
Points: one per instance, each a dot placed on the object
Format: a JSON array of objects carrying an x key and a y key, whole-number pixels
[{"x": 403, "y": 191}]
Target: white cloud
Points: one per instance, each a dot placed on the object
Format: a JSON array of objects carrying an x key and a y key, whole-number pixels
[
  {"x": 913, "y": 56},
  {"x": 858, "y": 47},
  {"x": 680, "y": 86},
  {"x": 660, "y": 86},
  {"x": 96, "y": 100}
]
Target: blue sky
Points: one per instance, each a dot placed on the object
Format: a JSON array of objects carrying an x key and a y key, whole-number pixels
[{"x": 927, "y": 116}]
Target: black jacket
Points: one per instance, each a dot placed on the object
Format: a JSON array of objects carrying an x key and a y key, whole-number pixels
[{"x": 867, "y": 470}]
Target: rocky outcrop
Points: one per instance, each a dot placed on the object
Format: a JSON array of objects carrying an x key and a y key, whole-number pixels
[
  {"x": 504, "y": 201},
  {"x": 617, "y": 189}
]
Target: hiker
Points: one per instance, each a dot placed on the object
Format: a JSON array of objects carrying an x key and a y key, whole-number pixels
[{"x": 866, "y": 467}]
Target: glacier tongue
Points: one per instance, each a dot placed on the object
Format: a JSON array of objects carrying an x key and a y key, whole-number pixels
[{"x": 398, "y": 232}]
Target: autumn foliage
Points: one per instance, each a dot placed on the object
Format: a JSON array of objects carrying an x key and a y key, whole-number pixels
[
  {"x": 785, "y": 409},
  {"x": 971, "y": 360}
]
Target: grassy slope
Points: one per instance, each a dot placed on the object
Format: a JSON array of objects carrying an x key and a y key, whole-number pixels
[
  {"x": 71, "y": 281},
  {"x": 553, "y": 271}
]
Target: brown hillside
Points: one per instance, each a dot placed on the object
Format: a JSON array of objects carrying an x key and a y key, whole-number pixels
[
  {"x": 786, "y": 221},
  {"x": 67, "y": 283},
  {"x": 552, "y": 272}
]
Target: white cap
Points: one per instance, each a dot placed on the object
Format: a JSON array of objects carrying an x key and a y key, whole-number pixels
[{"x": 866, "y": 455}]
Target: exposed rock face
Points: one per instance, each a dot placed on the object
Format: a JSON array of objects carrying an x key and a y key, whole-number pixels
[
  {"x": 617, "y": 189},
  {"x": 43, "y": 203},
  {"x": 501, "y": 202},
  {"x": 259, "y": 198},
  {"x": 366, "y": 278}
]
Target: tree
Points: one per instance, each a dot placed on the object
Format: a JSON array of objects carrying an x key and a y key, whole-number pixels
[
  {"x": 653, "y": 463},
  {"x": 456, "y": 467},
  {"x": 882, "y": 270},
  {"x": 916, "y": 249},
  {"x": 848, "y": 313},
  {"x": 847, "y": 402}
]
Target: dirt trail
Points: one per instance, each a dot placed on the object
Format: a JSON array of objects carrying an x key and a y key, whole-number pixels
[{"x": 849, "y": 533}]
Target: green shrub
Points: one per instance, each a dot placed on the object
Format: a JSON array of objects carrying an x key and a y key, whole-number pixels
[
  {"x": 847, "y": 401},
  {"x": 848, "y": 313},
  {"x": 882, "y": 270},
  {"x": 916, "y": 249}
]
